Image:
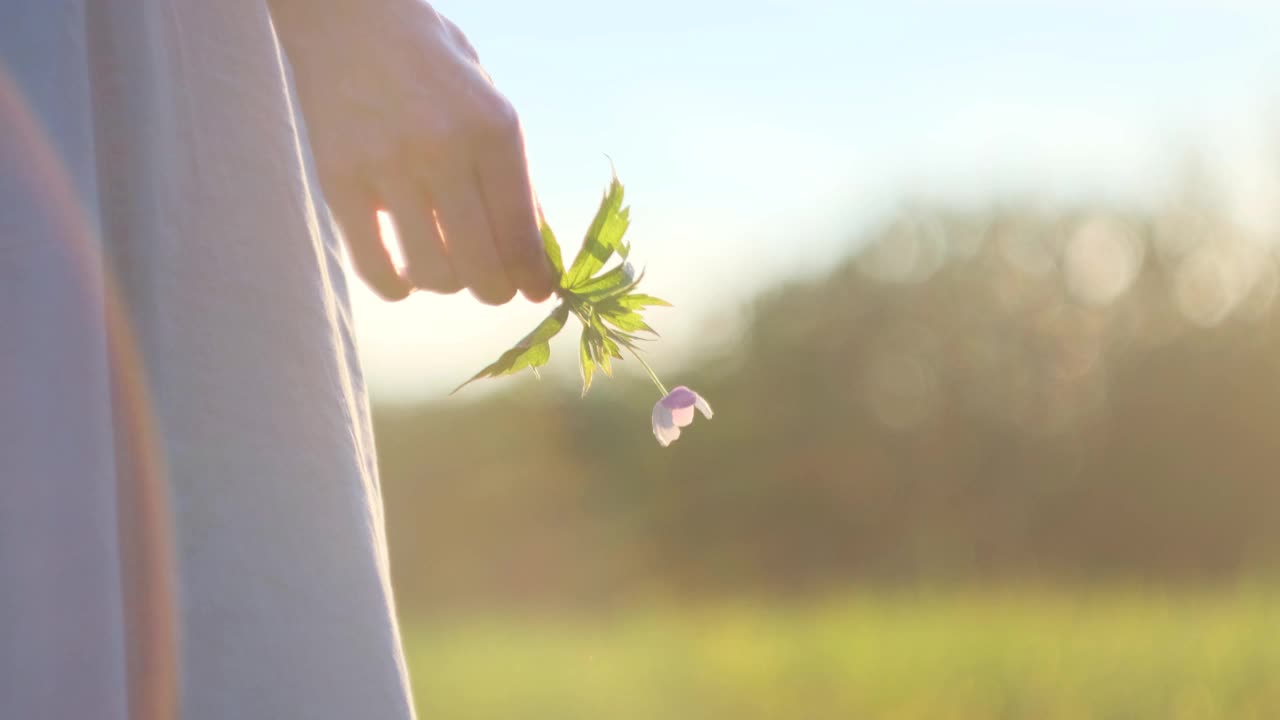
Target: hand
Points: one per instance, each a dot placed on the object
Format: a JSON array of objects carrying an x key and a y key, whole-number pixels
[{"x": 403, "y": 118}]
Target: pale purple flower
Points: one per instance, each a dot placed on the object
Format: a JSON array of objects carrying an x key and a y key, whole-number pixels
[{"x": 676, "y": 411}]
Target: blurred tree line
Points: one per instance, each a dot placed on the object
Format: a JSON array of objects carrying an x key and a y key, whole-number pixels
[{"x": 1010, "y": 393}]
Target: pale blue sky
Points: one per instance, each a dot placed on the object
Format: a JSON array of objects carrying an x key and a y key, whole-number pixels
[{"x": 756, "y": 137}]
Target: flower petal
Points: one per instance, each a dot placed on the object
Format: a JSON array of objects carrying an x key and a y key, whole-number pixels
[
  {"x": 681, "y": 397},
  {"x": 664, "y": 427},
  {"x": 682, "y": 416},
  {"x": 703, "y": 406},
  {"x": 669, "y": 436}
]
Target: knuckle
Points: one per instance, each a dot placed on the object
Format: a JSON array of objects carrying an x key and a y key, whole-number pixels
[
  {"x": 352, "y": 160},
  {"x": 497, "y": 119},
  {"x": 460, "y": 40},
  {"x": 437, "y": 137}
]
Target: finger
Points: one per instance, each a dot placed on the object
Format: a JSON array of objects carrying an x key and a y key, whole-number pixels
[
  {"x": 509, "y": 202},
  {"x": 426, "y": 261},
  {"x": 357, "y": 216},
  {"x": 467, "y": 236}
]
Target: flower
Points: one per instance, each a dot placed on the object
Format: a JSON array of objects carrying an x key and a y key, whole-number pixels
[{"x": 674, "y": 411}]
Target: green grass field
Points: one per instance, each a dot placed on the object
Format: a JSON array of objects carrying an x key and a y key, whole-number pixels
[{"x": 1008, "y": 655}]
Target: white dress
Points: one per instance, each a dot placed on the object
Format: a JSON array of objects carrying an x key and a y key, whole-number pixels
[{"x": 176, "y": 354}]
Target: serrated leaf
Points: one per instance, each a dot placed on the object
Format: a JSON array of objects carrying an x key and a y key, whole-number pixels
[
  {"x": 627, "y": 320},
  {"x": 628, "y": 340},
  {"x": 597, "y": 335},
  {"x": 617, "y": 292},
  {"x": 605, "y": 363},
  {"x": 620, "y": 276},
  {"x": 552, "y": 249},
  {"x": 588, "y": 365},
  {"x": 532, "y": 351},
  {"x": 598, "y": 326},
  {"x": 612, "y": 347},
  {"x": 603, "y": 238},
  {"x": 599, "y": 351},
  {"x": 613, "y": 312},
  {"x": 636, "y": 301}
]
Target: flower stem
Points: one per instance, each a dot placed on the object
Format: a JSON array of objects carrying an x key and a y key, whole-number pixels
[{"x": 652, "y": 375}]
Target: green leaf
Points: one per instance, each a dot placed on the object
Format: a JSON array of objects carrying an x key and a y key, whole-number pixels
[
  {"x": 602, "y": 296},
  {"x": 588, "y": 365},
  {"x": 599, "y": 350},
  {"x": 614, "y": 312},
  {"x": 637, "y": 301},
  {"x": 618, "y": 277},
  {"x": 552, "y": 248},
  {"x": 598, "y": 326},
  {"x": 603, "y": 238},
  {"x": 627, "y": 339},
  {"x": 612, "y": 348},
  {"x": 627, "y": 320},
  {"x": 605, "y": 364},
  {"x": 531, "y": 352}
]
